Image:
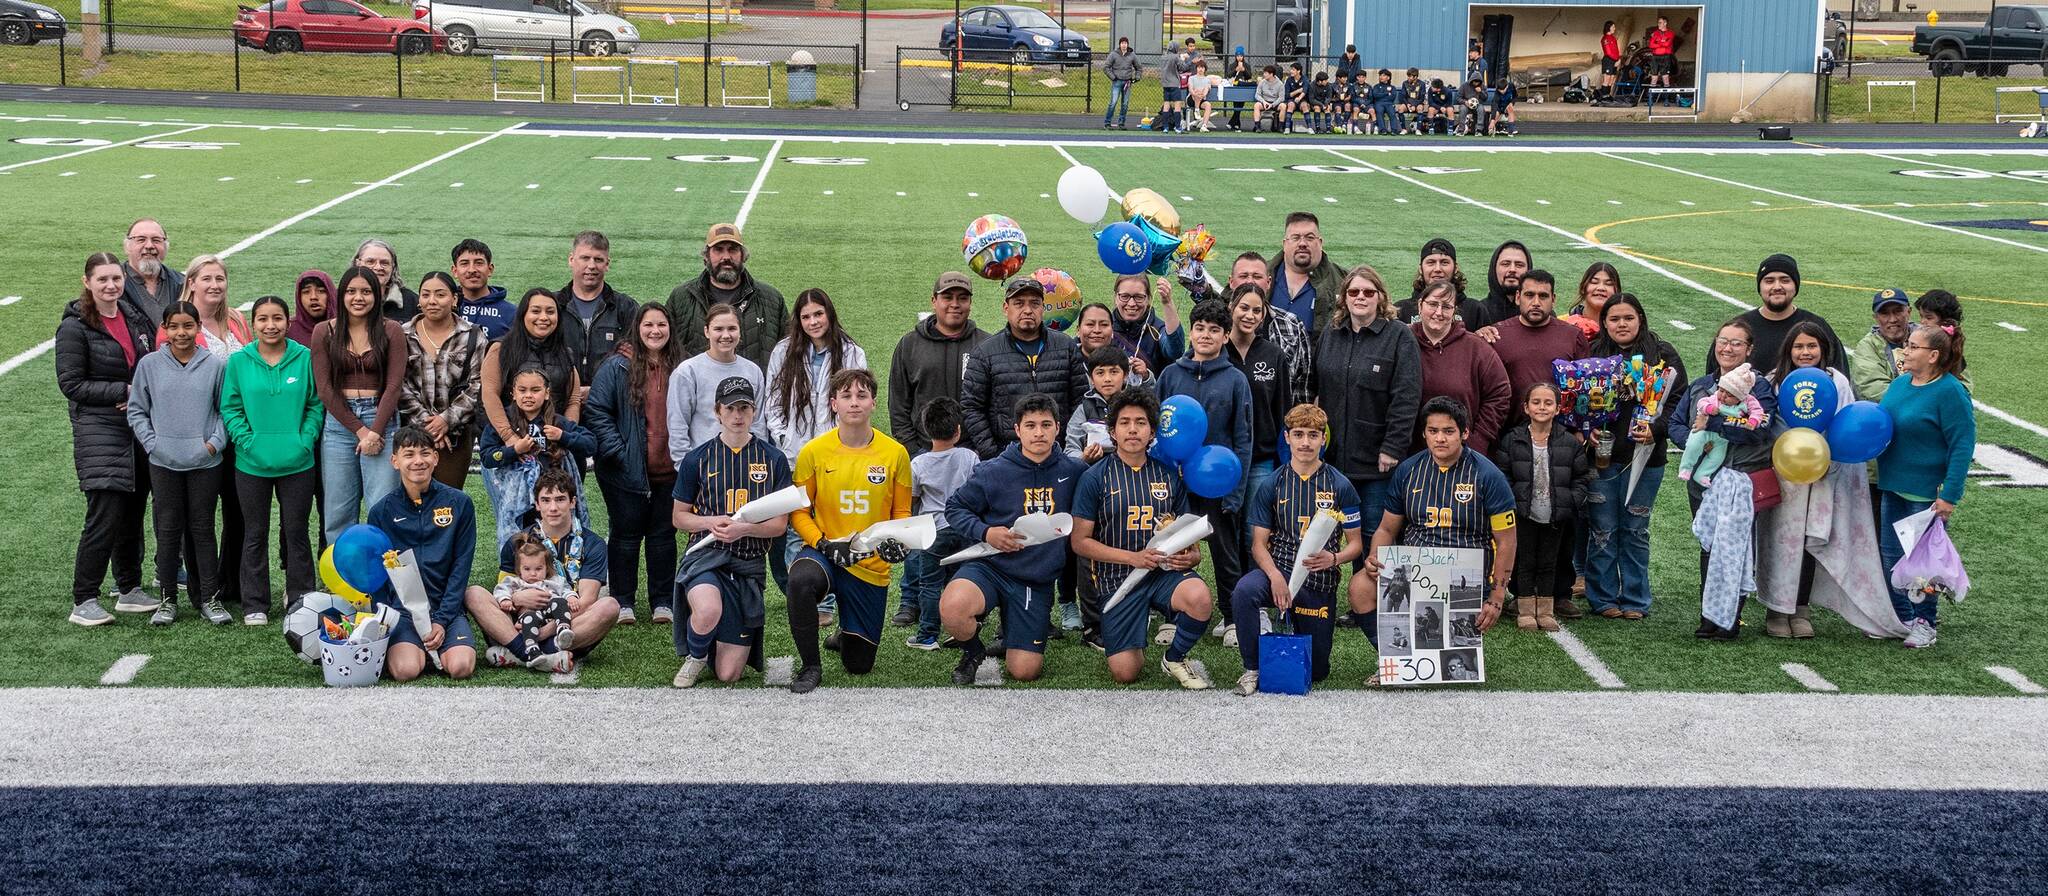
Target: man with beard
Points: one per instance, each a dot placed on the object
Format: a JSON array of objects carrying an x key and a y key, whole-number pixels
[
  {"x": 928, "y": 359},
  {"x": 1306, "y": 283},
  {"x": 1535, "y": 337},
  {"x": 1440, "y": 262},
  {"x": 150, "y": 285},
  {"x": 1503, "y": 281},
  {"x": 726, "y": 281},
  {"x": 1022, "y": 359},
  {"x": 1777, "y": 282},
  {"x": 1281, "y": 328},
  {"x": 1874, "y": 362}
]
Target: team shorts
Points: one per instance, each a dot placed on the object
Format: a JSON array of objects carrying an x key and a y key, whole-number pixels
[
  {"x": 1608, "y": 66},
  {"x": 1174, "y": 94},
  {"x": 1027, "y": 609},
  {"x": 862, "y": 604},
  {"x": 1124, "y": 628},
  {"x": 1662, "y": 65},
  {"x": 459, "y": 634},
  {"x": 732, "y": 623}
]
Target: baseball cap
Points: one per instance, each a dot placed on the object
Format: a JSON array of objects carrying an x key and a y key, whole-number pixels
[
  {"x": 735, "y": 390},
  {"x": 1889, "y": 296},
  {"x": 953, "y": 280},
  {"x": 1016, "y": 285},
  {"x": 724, "y": 233}
]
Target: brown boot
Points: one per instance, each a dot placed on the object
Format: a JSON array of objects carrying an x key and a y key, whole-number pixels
[
  {"x": 1802, "y": 623},
  {"x": 1565, "y": 609},
  {"x": 1777, "y": 625},
  {"x": 1525, "y": 613},
  {"x": 1546, "y": 618}
]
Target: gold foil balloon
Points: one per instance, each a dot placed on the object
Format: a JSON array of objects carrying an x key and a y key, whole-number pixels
[
  {"x": 1801, "y": 456},
  {"x": 1143, "y": 203}
]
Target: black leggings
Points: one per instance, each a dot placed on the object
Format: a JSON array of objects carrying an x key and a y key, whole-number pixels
[
  {"x": 808, "y": 585},
  {"x": 112, "y": 536},
  {"x": 295, "y": 505},
  {"x": 228, "y": 585},
  {"x": 1543, "y": 558},
  {"x": 183, "y": 515},
  {"x": 637, "y": 518}
]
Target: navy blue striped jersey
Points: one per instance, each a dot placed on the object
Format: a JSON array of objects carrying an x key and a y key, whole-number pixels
[
  {"x": 718, "y": 480},
  {"x": 1459, "y": 507},
  {"x": 1127, "y": 505},
  {"x": 1284, "y": 505}
]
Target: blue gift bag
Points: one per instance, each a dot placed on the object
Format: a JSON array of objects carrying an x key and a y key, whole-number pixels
[{"x": 1283, "y": 663}]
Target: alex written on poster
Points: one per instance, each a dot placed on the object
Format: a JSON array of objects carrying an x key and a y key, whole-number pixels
[{"x": 1429, "y": 615}]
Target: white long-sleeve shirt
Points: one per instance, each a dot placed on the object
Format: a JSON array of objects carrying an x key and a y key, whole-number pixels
[
  {"x": 692, "y": 401},
  {"x": 790, "y": 432}
]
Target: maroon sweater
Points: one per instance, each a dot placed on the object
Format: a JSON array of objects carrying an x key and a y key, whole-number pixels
[
  {"x": 1527, "y": 352},
  {"x": 1464, "y": 367}
]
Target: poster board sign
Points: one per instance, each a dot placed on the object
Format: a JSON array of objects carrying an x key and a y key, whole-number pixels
[{"x": 1429, "y": 605}]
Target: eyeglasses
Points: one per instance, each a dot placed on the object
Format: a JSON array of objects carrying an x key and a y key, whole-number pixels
[
  {"x": 1367, "y": 293},
  {"x": 1439, "y": 306},
  {"x": 1724, "y": 342},
  {"x": 1305, "y": 238},
  {"x": 152, "y": 240},
  {"x": 1134, "y": 296}
]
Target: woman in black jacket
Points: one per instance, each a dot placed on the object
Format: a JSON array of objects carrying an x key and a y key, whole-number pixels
[
  {"x": 627, "y": 412},
  {"x": 1551, "y": 472},
  {"x": 1617, "y": 564},
  {"x": 99, "y": 341},
  {"x": 1369, "y": 380}
]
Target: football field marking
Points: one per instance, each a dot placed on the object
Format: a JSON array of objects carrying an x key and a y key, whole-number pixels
[
  {"x": 125, "y": 669},
  {"x": 563, "y": 678},
  {"x": 1588, "y": 661},
  {"x": 2012, "y": 326},
  {"x": 2019, "y": 682},
  {"x": 1808, "y": 678},
  {"x": 781, "y": 670},
  {"x": 1682, "y": 325},
  {"x": 93, "y": 149},
  {"x": 2008, "y": 176},
  {"x": 754, "y": 192}
]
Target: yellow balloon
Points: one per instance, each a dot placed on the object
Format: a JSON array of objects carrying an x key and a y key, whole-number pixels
[
  {"x": 1153, "y": 207},
  {"x": 337, "y": 585},
  {"x": 1800, "y": 456}
]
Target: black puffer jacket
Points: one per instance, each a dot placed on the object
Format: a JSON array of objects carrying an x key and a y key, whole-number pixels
[
  {"x": 93, "y": 374},
  {"x": 997, "y": 374},
  {"x": 1571, "y": 470}
]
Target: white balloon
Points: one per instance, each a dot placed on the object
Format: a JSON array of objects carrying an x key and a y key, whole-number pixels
[{"x": 1084, "y": 194}]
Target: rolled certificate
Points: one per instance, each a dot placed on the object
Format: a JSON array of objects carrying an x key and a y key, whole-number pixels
[
  {"x": 1312, "y": 541},
  {"x": 916, "y": 533},
  {"x": 1031, "y": 528},
  {"x": 1174, "y": 538},
  {"x": 412, "y": 595},
  {"x": 763, "y": 509}
]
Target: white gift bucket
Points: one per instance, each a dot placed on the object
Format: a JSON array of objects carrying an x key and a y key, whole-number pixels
[{"x": 351, "y": 665}]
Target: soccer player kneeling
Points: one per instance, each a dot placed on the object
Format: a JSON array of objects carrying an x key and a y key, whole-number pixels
[
  {"x": 1030, "y": 476},
  {"x": 722, "y": 584},
  {"x": 1280, "y": 512},
  {"x": 1121, "y": 501},
  {"x": 855, "y": 477}
]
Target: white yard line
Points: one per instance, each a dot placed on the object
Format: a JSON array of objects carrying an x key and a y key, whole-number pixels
[
  {"x": 754, "y": 192},
  {"x": 781, "y": 669},
  {"x": 7, "y": 366},
  {"x": 125, "y": 669},
  {"x": 1808, "y": 678},
  {"x": 2014, "y": 677},
  {"x": 2031, "y": 180},
  {"x": 563, "y": 678},
  {"x": 2012, "y": 326},
  {"x": 237, "y": 125},
  {"x": 989, "y": 674},
  {"x": 93, "y": 149},
  {"x": 1588, "y": 661}
]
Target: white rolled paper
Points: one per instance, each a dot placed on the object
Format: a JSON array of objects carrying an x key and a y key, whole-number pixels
[
  {"x": 412, "y": 594},
  {"x": 763, "y": 509},
  {"x": 1312, "y": 542},
  {"x": 916, "y": 533},
  {"x": 1175, "y": 537},
  {"x": 1032, "y": 528}
]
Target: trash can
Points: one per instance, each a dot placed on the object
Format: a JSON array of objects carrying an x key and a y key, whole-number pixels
[{"x": 801, "y": 78}]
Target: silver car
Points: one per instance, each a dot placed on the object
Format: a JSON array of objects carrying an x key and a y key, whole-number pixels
[{"x": 528, "y": 25}]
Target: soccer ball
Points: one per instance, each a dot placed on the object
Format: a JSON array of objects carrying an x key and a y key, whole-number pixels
[{"x": 302, "y": 622}]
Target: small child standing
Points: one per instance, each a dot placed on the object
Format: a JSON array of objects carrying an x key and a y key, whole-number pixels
[
  {"x": 546, "y": 439},
  {"x": 1551, "y": 471},
  {"x": 1707, "y": 450},
  {"x": 536, "y": 574},
  {"x": 1088, "y": 429},
  {"x": 934, "y": 476}
]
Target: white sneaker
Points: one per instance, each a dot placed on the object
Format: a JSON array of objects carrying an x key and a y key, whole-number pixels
[
  {"x": 1222, "y": 626},
  {"x": 693, "y": 669},
  {"x": 1919, "y": 634},
  {"x": 1181, "y": 672},
  {"x": 1165, "y": 635},
  {"x": 1248, "y": 683},
  {"x": 664, "y": 616},
  {"x": 135, "y": 600},
  {"x": 626, "y": 616},
  {"x": 559, "y": 661},
  {"x": 256, "y": 619},
  {"x": 500, "y": 657},
  {"x": 90, "y": 613},
  {"x": 1265, "y": 622},
  {"x": 1230, "y": 637}
]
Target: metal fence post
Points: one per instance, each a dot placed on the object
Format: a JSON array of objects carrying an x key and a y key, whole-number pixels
[
  {"x": 398, "y": 53},
  {"x": 63, "y": 77},
  {"x": 859, "y": 55},
  {"x": 1937, "y": 98},
  {"x": 553, "y": 75},
  {"x": 705, "y": 59},
  {"x": 238, "y": 64}
]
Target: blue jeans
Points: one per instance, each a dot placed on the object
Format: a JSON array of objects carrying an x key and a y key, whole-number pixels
[
  {"x": 1891, "y": 509},
  {"x": 1261, "y": 471},
  {"x": 353, "y": 482},
  {"x": 1119, "y": 105},
  {"x": 1618, "y": 550},
  {"x": 924, "y": 580},
  {"x": 1372, "y": 505}
]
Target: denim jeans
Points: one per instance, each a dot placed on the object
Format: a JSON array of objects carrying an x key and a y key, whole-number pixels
[
  {"x": 924, "y": 580},
  {"x": 1261, "y": 471},
  {"x": 353, "y": 482},
  {"x": 1119, "y": 105},
  {"x": 1372, "y": 505},
  {"x": 1894, "y": 508},
  {"x": 1618, "y": 550}
]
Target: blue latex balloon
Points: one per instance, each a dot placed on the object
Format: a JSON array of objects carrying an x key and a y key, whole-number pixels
[
  {"x": 1859, "y": 433},
  {"x": 1213, "y": 472},
  {"x": 359, "y": 557},
  {"x": 1122, "y": 248},
  {"x": 1159, "y": 246},
  {"x": 1808, "y": 398},
  {"x": 1183, "y": 424}
]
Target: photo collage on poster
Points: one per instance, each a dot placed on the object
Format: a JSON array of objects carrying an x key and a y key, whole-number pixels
[{"x": 1429, "y": 604}]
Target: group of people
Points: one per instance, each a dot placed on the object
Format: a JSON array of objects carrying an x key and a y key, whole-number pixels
[
  {"x": 1346, "y": 99},
  {"x": 1433, "y": 420}
]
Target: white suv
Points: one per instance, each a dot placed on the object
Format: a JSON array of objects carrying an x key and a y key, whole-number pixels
[{"x": 527, "y": 25}]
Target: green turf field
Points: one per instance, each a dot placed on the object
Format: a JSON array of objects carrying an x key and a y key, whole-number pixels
[{"x": 872, "y": 221}]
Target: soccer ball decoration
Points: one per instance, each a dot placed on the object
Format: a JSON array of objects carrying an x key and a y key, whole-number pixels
[
  {"x": 302, "y": 622},
  {"x": 994, "y": 247},
  {"x": 1062, "y": 298}
]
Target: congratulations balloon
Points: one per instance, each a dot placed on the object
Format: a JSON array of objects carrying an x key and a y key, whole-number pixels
[
  {"x": 1859, "y": 433},
  {"x": 1143, "y": 203},
  {"x": 1213, "y": 472},
  {"x": 1808, "y": 398},
  {"x": 1800, "y": 456},
  {"x": 1062, "y": 297},
  {"x": 1084, "y": 194},
  {"x": 1122, "y": 248},
  {"x": 994, "y": 247},
  {"x": 1183, "y": 424}
]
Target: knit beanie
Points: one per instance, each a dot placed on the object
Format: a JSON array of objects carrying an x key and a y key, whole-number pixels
[
  {"x": 1737, "y": 382},
  {"x": 1439, "y": 246},
  {"x": 1778, "y": 264}
]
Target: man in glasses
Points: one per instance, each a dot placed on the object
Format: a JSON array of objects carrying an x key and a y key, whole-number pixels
[
  {"x": 1023, "y": 358},
  {"x": 152, "y": 283},
  {"x": 1305, "y": 281}
]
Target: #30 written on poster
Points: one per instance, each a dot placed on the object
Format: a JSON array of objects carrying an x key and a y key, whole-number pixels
[{"x": 1429, "y": 605}]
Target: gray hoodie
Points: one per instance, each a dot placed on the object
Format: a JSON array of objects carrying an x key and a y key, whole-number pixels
[
  {"x": 175, "y": 409},
  {"x": 1123, "y": 66}
]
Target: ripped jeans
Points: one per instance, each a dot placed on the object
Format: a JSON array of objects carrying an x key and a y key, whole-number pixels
[{"x": 1618, "y": 550}]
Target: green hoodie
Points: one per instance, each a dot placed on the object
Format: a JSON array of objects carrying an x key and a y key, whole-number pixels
[{"x": 272, "y": 413}]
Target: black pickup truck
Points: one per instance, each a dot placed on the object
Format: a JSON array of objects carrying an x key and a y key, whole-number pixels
[
  {"x": 1290, "y": 24},
  {"x": 2014, "y": 35}
]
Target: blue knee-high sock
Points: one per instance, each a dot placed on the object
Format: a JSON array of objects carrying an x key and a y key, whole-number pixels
[
  {"x": 1245, "y": 603},
  {"x": 1187, "y": 632},
  {"x": 698, "y": 643}
]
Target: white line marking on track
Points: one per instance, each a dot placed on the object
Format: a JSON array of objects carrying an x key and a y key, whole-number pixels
[
  {"x": 230, "y": 177},
  {"x": 1258, "y": 198},
  {"x": 682, "y": 189},
  {"x": 145, "y": 177},
  {"x": 303, "y": 180},
  {"x": 1248, "y": 170},
  {"x": 1687, "y": 202},
  {"x": 125, "y": 669},
  {"x": 605, "y": 189},
  {"x": 754, "y": 192},
  {"x": 533, "y": 186},
  {"x": 779, "y": 672},
  {"x": 1542, "y": 202},
  {"x": 2019, "y": 682},
  {"x": 1808, "y": 678},
  {"x": 563, "y": 678},
  {"x": 456, "y": 185},
  {"x": 1759, "y": 202},
  {"x": 1330, "y": 199},
  {"x": 7, "y": 366},
  {"x": 1979, "y": 205},
  {"x": 1400, "y": 200},
  {"x": 10, "y": 300},
  {"x": 92, "y": 149},
  {"x": 1613, "y": 202},
  {"x": 69, "y": 174},
  {"x": 2012, "y": 326},
  {"x": 1682, "y": 325},
  {"x": 622, "y": 158},
  {"x": 1588, "y": 661}
]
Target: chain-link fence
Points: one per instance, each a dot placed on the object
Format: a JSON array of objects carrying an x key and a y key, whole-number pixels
[{"x": 1919, "y": 93}]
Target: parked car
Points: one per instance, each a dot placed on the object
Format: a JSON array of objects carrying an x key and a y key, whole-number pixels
[
  {"x": 338, "y": 26},
  {"x": 1290, "y": 27},
  {"x": 528, "y": 25},
  {"x": 2013, "y": 35},
  {"x": 1018, "y": 33},
  {"x": 23, "y": 23}
]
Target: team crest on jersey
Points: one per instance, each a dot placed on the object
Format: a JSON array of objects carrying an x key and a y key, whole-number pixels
[
  {"x": 1159, "y": 491},
  {"x": 878, "y": 474},
  {"x": 1463, "y": 492},
  {"x": 444, "y": 517},
  {"x": 1326, "y": 500},
  {"x": 757, "y": 473}
]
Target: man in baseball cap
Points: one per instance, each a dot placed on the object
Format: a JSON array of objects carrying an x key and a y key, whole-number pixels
[
  {"x": 929, "y": 358},
  {"x": 725, "y": 280},
  {"x": 1024, "y": 358},
  {"x": 1777, "y": 283},
  {"x": 1874, "y": 361}
]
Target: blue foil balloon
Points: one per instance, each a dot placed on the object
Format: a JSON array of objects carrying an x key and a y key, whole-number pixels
[
  {"x": 1183, "y": 424},
  {"x": 1122, "y": 249},
  {"x": 1859, "y": 433},
  {"x": 1213, "y": 472},
  {"x": 1159, "y": 247},
  {"x": 1808, "y": 398},
  {"x": 359, "y": 557}
]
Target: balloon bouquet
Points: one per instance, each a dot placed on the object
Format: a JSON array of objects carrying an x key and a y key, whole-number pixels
[
  {"x": 1210, "y": 471},
  {"x": 1149, "y": 239},
  {"x": 1822, "y": 431}
]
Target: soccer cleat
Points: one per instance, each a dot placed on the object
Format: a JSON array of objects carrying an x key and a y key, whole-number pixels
[
  {"x": 215, "y": 613},
  {"x": 626, "y": 616},
  {"x": 256, "y": 619},
  {"x": 565, "y": 637},
  {"x": 1070, "y": 617},
  {"x": 664, "y": 616},
  {"x": 907, "y": 615},
  {"x": 166, "y": 613},
  {"x": 1919, "y": 633},
  {"x": 922, "y": 642},
  {"x": 971, "y": 654},
  {"x": 1248, "y": 683},
  {"x": 500, "y": 657},
  {"x": 807, "y": 680},
  {"x": 1230, "y": 637},
  {"x": 1165, "y": 635},
  {"x": 832, "y": 642},
  {"x": 559, "y": 661},
  {"x": 90, "y": 613},
  {"x": 135, "y": 600},
  {"x": 693, "y": 669},
  {"x": 1181, "y": 673}
]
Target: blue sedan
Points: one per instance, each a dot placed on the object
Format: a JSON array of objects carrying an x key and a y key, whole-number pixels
[{"x": 1019, "y": 33}]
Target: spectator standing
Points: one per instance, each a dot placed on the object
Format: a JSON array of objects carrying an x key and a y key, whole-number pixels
[
  {"x": 271, "y": 408},
  {"x": 934, "y": 476},
  {"x": 1350, "y": 65},
  {"x": 799, "y": 409},
  {"x": 1287, "y": 332},
  {"x": 595, "y": 318},
  {"x": 400, "y": 303},
  {"x": 1124, "y": 71},
  {"x": 1875, "y": 363},
  {"x": 726, "y": 281},
  {"x": 1095, "y": 329},
  {"x": 1503, "y": 282},
  {"x": 929, "y": 360},
  {"x": 1934, "y": 435},
  {"x": 1600, "y": 283},
  {"x": 1777, "y": 282},
  {"x": 99, "y": 341},
  {"x": 693, "y": 387},
  {"x": 148, "y": 282},
  {"x": 1726, "y": 528},
  {"x": 1535, "y": 337},
  {"x": 1551, "y": 472},
  {"x": 1663, "y": 54},
  {"x": 174, "y": 410},
  {"x": 1174, "y": 68},
  {"x": 1208, "y": 377},
  {"x": 1369, "y": 379},
  {"x": 444, "y": 362},
  {"x": 1939, "y": 308},
  {"x": 1439, "y": 262},
  {"x": 627, "y": 415},
  {"x": 1022, "y": 359},
  {"x": 481, "y": 303},
  {"x": 1265, "y": 372},
  {"x": 1617, "y": 564},
  {"x": 359, "y": 362},
  {"x": 1152, "y": 340},
  {"x": 315, "y": 300},
  {"x": 1610, "y": 61},
  {"x": 537, "y": 341},
  {"x": 222, "y": 332},
  {"x": 1305, "y": 280},
  {"x": 1459, "y": 365}
]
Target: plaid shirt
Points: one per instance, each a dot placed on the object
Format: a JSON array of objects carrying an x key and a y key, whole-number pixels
[
  {"x": 449, "y": 383},
  {"x": 1285, "y": 331}
]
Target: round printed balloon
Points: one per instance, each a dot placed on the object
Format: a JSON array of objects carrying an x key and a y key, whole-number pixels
[
  {"x": 1122, "y": 248},
  {"x": 1213, "y": 472},
  {"x": 1808, "y": 398},
  {"x": 1062, "y": 297},
  {"x": 994, "y": 247},
  {"x": 1183, "y": 424}
]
